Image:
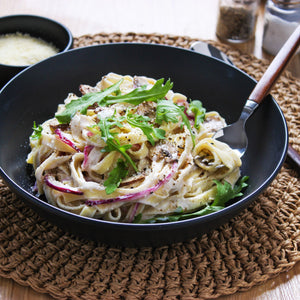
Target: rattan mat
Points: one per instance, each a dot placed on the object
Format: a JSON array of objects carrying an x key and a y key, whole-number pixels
[{"x": 260, "y": 243}]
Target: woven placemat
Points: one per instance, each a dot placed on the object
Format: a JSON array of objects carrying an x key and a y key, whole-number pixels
[{"x": 258, "y": 244}]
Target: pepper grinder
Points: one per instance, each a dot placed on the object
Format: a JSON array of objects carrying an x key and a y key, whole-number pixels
[{"x": 237, "y": 20}]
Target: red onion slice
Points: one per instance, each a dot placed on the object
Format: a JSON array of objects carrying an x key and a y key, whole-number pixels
[
  {"x": 48, "y": 182},
  {"x": 86, "y": 152},
  {"x": 136, "y": 206},
  {"x": 89, "y": 134},
  {"x": 65, "y": 140},
  {"x": 135, "y": 196}
]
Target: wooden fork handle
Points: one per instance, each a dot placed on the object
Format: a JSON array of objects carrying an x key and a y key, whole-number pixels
[
  {"x": 276, "y": 67},
  {"x": 294, "y": 157}
]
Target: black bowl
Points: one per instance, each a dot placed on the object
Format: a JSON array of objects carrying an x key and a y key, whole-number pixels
[
  {"x": 36, "y": 26},
  {"x": 28, "y": 97}
]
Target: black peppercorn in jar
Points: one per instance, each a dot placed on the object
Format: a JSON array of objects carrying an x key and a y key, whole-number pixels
[{"x": 237, "y": 20}]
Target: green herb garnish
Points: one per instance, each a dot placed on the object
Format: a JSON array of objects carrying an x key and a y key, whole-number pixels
[
  {"x": 198, "y": 110},
  {"x": 168, "y": 111},
  {"x": 143, "y": 123},
  {"x": 115, "y": 176},
  {"x": 37, "y": 132},
  {"x": 105, "y": 98},
  {"x": 224, "y": 193},
  {"x": 140, "y": 94},
  {"x": 112, "y": 143},
  {"x": 81, "y": 104}
]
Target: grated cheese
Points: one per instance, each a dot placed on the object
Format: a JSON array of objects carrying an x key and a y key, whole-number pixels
[{"x": 19, "y": 49}]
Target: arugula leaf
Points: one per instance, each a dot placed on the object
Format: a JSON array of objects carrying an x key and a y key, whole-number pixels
[
  {"x": 105, "y": 98},
  {"x": 115, "y": 176},
  {"x": 179, "y": 216},
  {"x": 81, "y": 104},
  {"x": 170, "y": 112},
  {"x": 142, "y": 122},
  {"x": 224, "y": 193},
  {"x": 37, "y": 132},
  {"x": 106, "y": 124},
  {"x": 198, "y": 110},
  {"x": 140, "y": 94},
  {"x": 112, "y": 143}
]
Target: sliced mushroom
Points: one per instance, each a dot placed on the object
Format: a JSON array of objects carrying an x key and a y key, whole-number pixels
[
  {"x": 139, "y": 81},
  {"x": 205, "y": 159},
  {"x": 165, "y": 151},
  {"x": 147, "y": 109},
  {"x": 86, "y": 89}
]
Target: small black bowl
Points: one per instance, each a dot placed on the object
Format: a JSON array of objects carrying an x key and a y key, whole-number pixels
[
  {"x": 219, "y": 86},
  {"x": 36, "y": 26}
]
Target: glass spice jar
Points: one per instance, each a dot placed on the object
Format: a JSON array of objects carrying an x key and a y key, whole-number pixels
[
  {"x": 281, "y": 19},
  {"x": 237, "y": 20}
]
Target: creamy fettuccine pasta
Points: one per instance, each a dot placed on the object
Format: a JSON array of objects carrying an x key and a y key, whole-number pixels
[{"x": 130, "y": 147}]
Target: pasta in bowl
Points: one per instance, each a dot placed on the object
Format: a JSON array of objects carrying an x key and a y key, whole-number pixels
[{"x": 130, "y": 149}]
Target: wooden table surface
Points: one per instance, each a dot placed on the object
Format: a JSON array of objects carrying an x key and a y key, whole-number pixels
[{"x": 194, "y": 18}]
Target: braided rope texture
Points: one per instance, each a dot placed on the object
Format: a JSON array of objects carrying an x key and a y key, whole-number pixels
[{"x": 258, "y": 244}]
